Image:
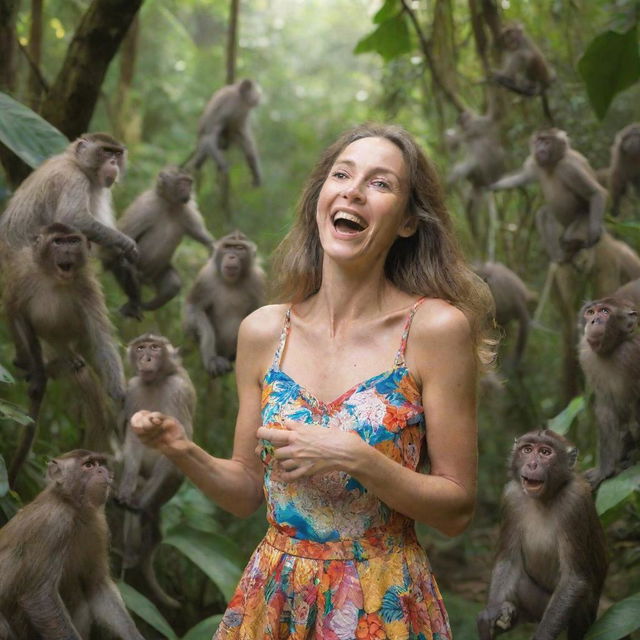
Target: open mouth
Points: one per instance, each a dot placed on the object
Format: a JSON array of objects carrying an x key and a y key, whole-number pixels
[
  {"x": 530, "y": 485},
  {"x": 348, "y": 222},
  {"x": 65, "y": 269}
]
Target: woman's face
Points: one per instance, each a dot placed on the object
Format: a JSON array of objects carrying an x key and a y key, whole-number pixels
[{"x": 362, "y": 207}]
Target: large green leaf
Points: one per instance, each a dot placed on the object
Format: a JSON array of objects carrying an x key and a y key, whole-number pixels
[
  {"x": 610, "y": 64},
  {"x": 563, "y": 421},
  {"x": 617, "y": 621},
  {"x": 5, "y": 376},
  {"x": 627, "y": 229},
  {"x": 218, "y": 556},
  {"x": 391, "y": 39},
  {"x": 614, "y": 490},
  {"x": 388, "y": 10},
  {"x": 146, "y": 610},
  {"x": 27, "y": 134},
  {"x": 204, "y": 629},
  {"x": 10, "y": 411}
]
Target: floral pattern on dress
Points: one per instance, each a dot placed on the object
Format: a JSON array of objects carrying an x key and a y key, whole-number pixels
[{"x": 337, "y": 563}]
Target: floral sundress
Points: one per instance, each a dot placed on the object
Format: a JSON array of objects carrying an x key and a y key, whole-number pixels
[{"x": 336, "y": 562}]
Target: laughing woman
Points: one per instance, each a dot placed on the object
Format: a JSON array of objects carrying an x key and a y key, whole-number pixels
[{"x": 364, "y": 383}]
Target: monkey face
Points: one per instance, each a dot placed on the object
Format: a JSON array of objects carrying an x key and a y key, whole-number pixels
[
  {"x": 630, "y": 145},
  {"x": 533, "y": 462},
  {"x": 548, "y": 149},
  {"x": 232, "y": 261},
  {"x": 174, "y": 185},
  {"x": 607, "y": 323},
  {"x": 64, "y": 255},
  {"x": 148, "y": 358},
  {"x": 98, "y": 480},
  {"x": 362, "y": 206}
]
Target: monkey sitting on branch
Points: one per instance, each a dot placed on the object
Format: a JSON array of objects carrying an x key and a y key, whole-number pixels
[
  {"x": 54, "y": 564},
  {"x": 59, "y": 324},
  {"x": 551, "y": 561},
  {"x": 609, "y": 355},
  {"x": 228, "y": 288},
  {"x": 157, "y": 220},
  {"x": 149, "y": 480}
]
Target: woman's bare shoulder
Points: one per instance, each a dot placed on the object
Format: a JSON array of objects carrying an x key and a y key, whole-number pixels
[
  {"x": 439, "y": 322},
  {"x": 264, "y": 325}
]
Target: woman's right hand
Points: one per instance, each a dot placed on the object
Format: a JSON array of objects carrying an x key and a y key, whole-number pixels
[{"x": 156, "y": 430}]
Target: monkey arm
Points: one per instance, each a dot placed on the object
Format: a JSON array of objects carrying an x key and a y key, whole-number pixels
[
  {"x": 525, "y": 176},
  {"x": 133, "y": 451},
  {"x": 105, "y": 358},
  {"x": 198, "y": 324},
  {"x": 461, "y": 170},
  {"x": 245, "y": 138},
  {"x": 195, "y": 228},
  {"x": 109, "y": 610}
]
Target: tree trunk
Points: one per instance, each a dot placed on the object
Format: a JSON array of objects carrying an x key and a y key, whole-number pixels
[
  {"x": 34, "y": 49},
  {"x": 128, "y": 57},
  {"x": 232, "y": 41},
  {"x": 70, "y": 103},
  {"x": 8, "y": 44}
]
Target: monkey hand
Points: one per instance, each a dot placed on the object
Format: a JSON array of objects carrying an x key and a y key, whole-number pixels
[
  {"x": 158, "y": 431},
  {"x": 305, "y": 449},
  {"x": 130, "y": 249},
  {"x": 218, "y": 366},
  {"x": 131, "y": 310},
  {"x": 507, "y": 616},
  {"x": 500, "y": 616}
]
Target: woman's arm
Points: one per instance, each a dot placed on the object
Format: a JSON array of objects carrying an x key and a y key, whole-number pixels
[
  {"x": 441, "y": 356},
  {"x": 235, "y": 484}
]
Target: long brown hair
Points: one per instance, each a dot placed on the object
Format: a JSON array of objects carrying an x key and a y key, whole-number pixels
[{"x": 429, "y": 262}]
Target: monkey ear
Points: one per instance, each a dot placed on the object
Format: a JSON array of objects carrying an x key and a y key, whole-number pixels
[
  {"x": 572, "y": 455},
  {"x": 54, "y": 473}
]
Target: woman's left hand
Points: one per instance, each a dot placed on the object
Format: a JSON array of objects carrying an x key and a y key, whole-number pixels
[{"x": 302, "y": 449}]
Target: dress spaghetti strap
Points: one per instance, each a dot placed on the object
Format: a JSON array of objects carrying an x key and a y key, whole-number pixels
[
  {"x": 277, "y": 356},
  {"x": 399, "y": 360}
]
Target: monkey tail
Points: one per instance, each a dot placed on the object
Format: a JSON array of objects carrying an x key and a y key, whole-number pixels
[
  {"x": 152, "y": 581},
  {"x": 96, "y": 414},
  {"x": 546, "y": 109}
]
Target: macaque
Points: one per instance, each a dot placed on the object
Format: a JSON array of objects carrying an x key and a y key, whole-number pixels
[
  {"x": 149, "y": 480},
  {"x": 225, "y": 121},
  {"x": 524, "y": 68},
  {"x": 609, "y": 354},
  {"x": 54, "y": 565},
  {"x": 630, "y": 292},
  {"x": 53, "y": 300},
  {"x": 72, "y": 188},
  {"x": 624, "y": 168},
  {"x": 512, "y": 300},
  {"x": 157, "y": 220},
  {"x": 551, "y": 561},
  {"x": 572, "y": 218},
  {"x": 228, "y": 288}
]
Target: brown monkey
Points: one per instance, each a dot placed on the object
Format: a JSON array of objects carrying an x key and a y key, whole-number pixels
[
  {"x": 157, "y": 220},
  {"x": 630, "y": 292},
  {"x": 575, "y": 202},
  {"x": 51, "y": 296},
  {"x": 609, "y": 354},
  {"x": 54, "y": 565},
  {"x": 225, "y": 121},
  {"x": 524, "y": 68},
  {"x": 72, "y": 188},
  {"x": 149, "y": 480},
  {"x": 228, "y": 288},
  {"x": 551, "y": 561},
  {"x": 512, "y": 300},
  {"x": 624, "y": 168}
]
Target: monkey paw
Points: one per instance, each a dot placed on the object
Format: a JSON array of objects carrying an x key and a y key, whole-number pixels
[
  {"x": 131, "y": 310},
  {"x": 218, "y": 366},
  {"x": 507, "y": 615}
]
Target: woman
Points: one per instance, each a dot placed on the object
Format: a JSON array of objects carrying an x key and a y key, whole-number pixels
[{"x": 382, "y": 305}]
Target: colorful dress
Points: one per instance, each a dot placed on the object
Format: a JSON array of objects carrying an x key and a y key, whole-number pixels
[{"x": 336, "y": 562}]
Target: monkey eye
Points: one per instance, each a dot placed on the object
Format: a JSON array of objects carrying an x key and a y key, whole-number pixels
[
  {"x": 89, "y": 464},
  {"x": 140, "y": 347},
  {"x": 527, "y": 448},
  {"x": 546, "y": 451},
  {"x": 589, "y": 312},
  {"x": 155, "y": 347},
  {"x": 605, "y": 310}
]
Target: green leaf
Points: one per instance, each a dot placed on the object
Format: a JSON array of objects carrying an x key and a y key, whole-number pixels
[
  {"x": 610, "y": 65},
  {"x": 391, "y": 39},
  {"x": 628, "y": 229},
  {"x": 614, "y": 490},
  {"x": 617, "y": 621},
  {"x": 10, "y": 411},
  {"x": 4, "y": 479},
  {"x": 218, "y": 556},
  {"x": 5, "y": 376},
  {"x": 563, "y": 421},
  {"x": 388, "y": 10},
  {"x": 146, "y": 610},
  {"x": 29, "y": 136},
  {"x": 204, "y": 629}
]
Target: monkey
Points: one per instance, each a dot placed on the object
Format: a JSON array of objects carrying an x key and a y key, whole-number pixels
[
  {"x": 624, "y": 168},
  {"x": 512, "y": 300},
  {"x": 51, "y": 296},
  {"x": 54, "y": 565},
  {"x": 228, "y": 288},
  {"x": 572, "y": 218},
  {"x": 157, "y": 220},
  {"x": 483, "y": 164},
  {"x": 225, "y": 121},
  {"x": 149, "y": 480},
  {"x": 524, "y": 69},
  {"x": 72, "y": 188},
  {"x": 551, "y": 561},
  {"x": 609, "y": 354},
  {"x": 630, "y": 292}
]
